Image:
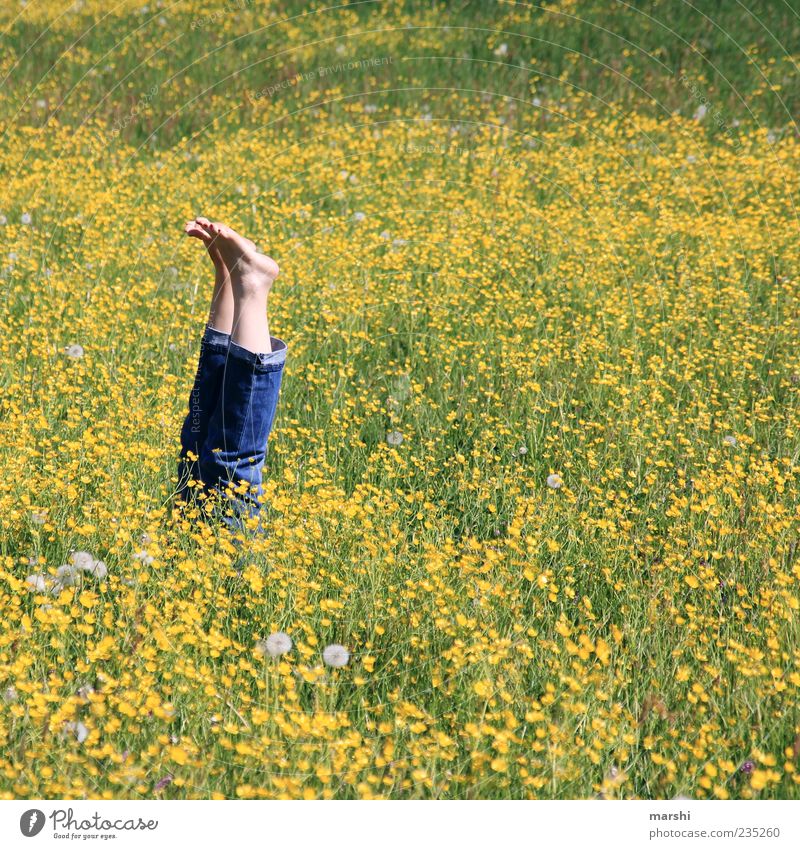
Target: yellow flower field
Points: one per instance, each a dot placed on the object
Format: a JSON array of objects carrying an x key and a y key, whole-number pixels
[{"x": 536, "y": 464}]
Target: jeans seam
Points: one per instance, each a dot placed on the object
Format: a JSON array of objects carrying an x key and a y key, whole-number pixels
[{"x": 244, "y": 419}]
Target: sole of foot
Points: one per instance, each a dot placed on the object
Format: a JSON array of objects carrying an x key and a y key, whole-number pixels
[{"x": 251, "y": 272}]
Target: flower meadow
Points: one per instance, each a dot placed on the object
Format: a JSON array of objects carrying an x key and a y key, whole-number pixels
[{"x": 532, "y": 491}]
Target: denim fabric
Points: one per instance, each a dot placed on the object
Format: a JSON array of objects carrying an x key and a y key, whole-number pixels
[{"x": 231, "y": 409}]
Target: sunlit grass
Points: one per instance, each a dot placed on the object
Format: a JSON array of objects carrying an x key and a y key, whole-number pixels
[{"x": 535, "y": 466}]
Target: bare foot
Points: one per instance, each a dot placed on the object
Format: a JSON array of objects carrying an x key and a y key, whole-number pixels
[
  {"x": 193, "y": 228},
  {"x": 221, "y": 311},
  {"x": 251, "y": 272}
]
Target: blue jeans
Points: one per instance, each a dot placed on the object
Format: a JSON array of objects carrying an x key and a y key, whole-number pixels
[{"x": 224, "y": 437}]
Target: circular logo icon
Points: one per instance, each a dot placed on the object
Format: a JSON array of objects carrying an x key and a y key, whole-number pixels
[{"x": 31, "y": 822}]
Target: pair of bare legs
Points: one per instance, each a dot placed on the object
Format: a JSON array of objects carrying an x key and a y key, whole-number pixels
[{"x": 243, "y": 278}]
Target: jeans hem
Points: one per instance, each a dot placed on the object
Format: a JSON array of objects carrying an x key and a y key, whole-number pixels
[
  {"x": 212, "y": 336},
  {"x": 261, "y": 362}
]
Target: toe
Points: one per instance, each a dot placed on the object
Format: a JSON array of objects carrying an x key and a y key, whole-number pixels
[
  {"x": 192, "y": 229},
  {"x": 221, "y": 229},
  {"x": 208, "y": 227}
]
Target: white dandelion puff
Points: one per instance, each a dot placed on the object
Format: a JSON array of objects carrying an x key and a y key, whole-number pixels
[
  {"x": 502, "y": 50},
  {"x": 335, "y": 655},
  {"x": 554, "y": 481},
  {"x": 730, "y": 440},
  {"x": 143, "y": 557},
  {"x": 81, "y": 559},
  {"x": 3, "y": 221},
  {"x": 67, "y": 575},
  {"x": 77, "y": 729},
  {"x": 98, "y": 570},
  {"x": 394, "y": 438},
  {"x": 276, "y": 644},
  {"x": 522, "y": 450},
  {"x": 37, "y": 582},
  {"x": 26, "y": 218},
  {"x": 359, "y": 216},
  {"x": 38, "y": 517},
  {"x": 74, "y": 352},
  {"x": 700, "y": 112},
  {"x": 10, "y": 695}
]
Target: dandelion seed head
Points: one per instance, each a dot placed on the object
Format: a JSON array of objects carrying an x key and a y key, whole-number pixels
[
  {"x": 335, "y": 655},
  {"x": 67, "y": 575},
  {"x": 81, "y": 559},
  {"x": 76, "y": 729},
  {"x": 394, "y": 438},
  {"x": 276, "y": 644},
  {"x": 98, "y": 570},
  {"x": 554, "y": 481},
  {"x": 74, "y": 352},
  {"x": 37, "y": 582}
]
